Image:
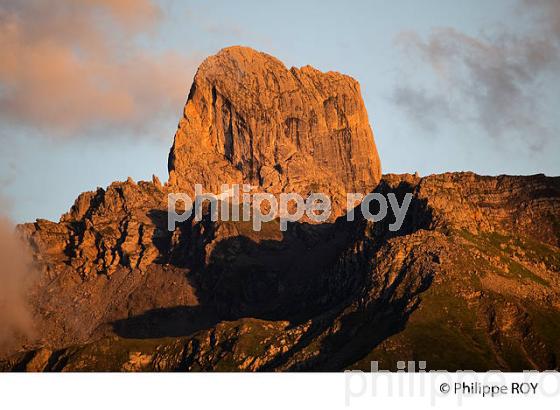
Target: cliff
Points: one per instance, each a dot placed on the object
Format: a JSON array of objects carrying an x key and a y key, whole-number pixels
[{"x": 249, "y": 119}]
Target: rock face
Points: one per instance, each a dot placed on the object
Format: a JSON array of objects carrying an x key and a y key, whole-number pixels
[
  {"x": 470, "y": 281},
  {"x": 249, "y": 119}
]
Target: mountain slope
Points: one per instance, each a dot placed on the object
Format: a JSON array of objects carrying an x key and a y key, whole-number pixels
[{"x": 433, "y": 291}]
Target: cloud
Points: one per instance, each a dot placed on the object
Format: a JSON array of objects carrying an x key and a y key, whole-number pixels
[
  {"x": 496, "y": 82},
  {"x": 76, "y": 67},
  {"x": 549, "y": 17},
  {"x": 424, "y": 108},
  {"x": 16, "y": 277}
]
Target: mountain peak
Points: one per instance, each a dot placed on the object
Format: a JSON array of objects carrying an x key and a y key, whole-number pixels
[{"x": 249, "y": 119}]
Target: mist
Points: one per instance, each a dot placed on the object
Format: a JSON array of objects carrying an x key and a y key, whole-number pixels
[{"x": 16, "y": 278}]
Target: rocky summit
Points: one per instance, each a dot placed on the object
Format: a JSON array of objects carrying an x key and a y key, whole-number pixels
[
  {"x": 470, "y": 281},
  {"x": 249, "y": 119}
]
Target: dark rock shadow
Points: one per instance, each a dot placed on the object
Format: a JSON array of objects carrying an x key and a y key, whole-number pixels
[
  {"x": 165, "y": 322},
  {"x": 310, "y": 272},
  {"x": 273, "y": 280}
]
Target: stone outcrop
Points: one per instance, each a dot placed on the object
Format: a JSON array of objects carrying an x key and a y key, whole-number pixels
[
  {"x": 105, "y": 229},
  {"x": 522, "y": 205},
  {"x": 249, "y": 119}
]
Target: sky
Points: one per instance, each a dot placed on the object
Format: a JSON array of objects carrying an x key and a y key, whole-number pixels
[{"x": 91, "y": 91}]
